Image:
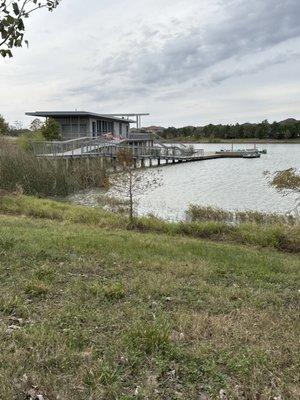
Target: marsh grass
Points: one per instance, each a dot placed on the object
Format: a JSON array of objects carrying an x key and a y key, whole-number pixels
[
  {"x": 46, "y": 176},
  {"x": 196, "y": 213},
  {"x": 113, "y": 204}
]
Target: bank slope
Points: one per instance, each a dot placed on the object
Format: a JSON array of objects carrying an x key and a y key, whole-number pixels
[{"x": 98, "y": 313}]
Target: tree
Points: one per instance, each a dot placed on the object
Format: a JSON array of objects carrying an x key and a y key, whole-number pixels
[
  {"x": 130, "y": 182},
  {"x": 4, "y": 127},
  {"x": 36, "y": 125},
  {"x": 287, "y": 134},
  {"x": 12, "y": 16},
  {"x": 16, "y": 129},
  {"x": 51, "y": 130}
]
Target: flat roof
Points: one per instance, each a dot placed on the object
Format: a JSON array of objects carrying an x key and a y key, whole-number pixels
[
  {"x": 76, "y": 114},
  {"x": 129, "y": 115}
]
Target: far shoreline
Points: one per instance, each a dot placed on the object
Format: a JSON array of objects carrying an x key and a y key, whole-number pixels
[{"x": 230, "y": 141}]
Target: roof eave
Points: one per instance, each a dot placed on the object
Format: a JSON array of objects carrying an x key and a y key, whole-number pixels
[{"x": 44, "y": 114}]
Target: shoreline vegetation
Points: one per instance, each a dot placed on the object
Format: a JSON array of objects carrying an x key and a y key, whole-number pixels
[
  {"x": 287, "y": 130},
  {"x": 13, "y": 140},
  {"x": 258, "y": 229},
  {"x": 92, "y": 309},
  {"x": 193, "y": 139},
  {"x": 21, "y": 170}
]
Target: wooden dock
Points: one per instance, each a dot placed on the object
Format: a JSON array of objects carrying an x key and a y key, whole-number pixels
[{"x": 143, "y": 155}]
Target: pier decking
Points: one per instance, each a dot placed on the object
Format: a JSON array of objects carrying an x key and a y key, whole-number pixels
[{"x": 157, "y": 154}]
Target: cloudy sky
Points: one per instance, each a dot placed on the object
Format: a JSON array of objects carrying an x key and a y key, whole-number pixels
[{"x": 187, "y": 62}]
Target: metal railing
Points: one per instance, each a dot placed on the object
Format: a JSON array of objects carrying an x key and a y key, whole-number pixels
[
  {"x": 69, "y": 147},
  {"x": 147, "y": 151},
  {"x": 140, "y": 136},
  {"x": 109, "y": 148},
  {"x": 57, "y": 147}
]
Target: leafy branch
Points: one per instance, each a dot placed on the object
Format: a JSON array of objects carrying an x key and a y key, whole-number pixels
[{"x": 12, "y": 26}]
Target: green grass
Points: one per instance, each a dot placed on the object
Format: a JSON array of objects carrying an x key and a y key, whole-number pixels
[
  {"x": 108, "y": 313},
  {"x": 280, "y": 236}
]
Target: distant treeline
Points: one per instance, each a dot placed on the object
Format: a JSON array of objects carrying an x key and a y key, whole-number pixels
[{"x": 288, "y": 129}]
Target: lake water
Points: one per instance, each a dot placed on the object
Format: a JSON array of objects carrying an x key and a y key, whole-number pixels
[{"x": 232, "y": 184}]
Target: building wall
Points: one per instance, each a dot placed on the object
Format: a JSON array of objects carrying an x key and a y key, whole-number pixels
[
  {"x": 76, "y": 127},
  {"x": 73, "y": 127},
  {"x": 125, "y": 131},
  {"x": 116, "y": 129}
]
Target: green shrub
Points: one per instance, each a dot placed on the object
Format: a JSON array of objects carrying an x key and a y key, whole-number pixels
[
  {"x": 51, "y": 129},
  {"x": 4, "y": 127}
]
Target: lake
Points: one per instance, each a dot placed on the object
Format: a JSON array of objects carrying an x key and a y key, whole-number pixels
[{"x": 232, "y": 184}]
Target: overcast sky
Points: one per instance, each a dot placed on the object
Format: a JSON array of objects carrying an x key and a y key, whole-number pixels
[{"x": 187, "y": 62}]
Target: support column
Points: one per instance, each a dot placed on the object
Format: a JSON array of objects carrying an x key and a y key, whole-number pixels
[{"x": 158, "y": 161}]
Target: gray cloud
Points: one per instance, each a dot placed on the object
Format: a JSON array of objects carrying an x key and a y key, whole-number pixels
[
  {"x": 161, "y": 58},
  {"x": 184, "y": 61},
  {"x": 280, "y": 58}
]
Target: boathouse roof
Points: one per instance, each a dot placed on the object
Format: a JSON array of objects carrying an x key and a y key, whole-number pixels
[{"x": 54, "y": 114}]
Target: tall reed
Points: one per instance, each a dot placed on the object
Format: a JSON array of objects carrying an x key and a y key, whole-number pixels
[
  {"x": 47, "y": 177},
  {"x": 196, "y": 213}
]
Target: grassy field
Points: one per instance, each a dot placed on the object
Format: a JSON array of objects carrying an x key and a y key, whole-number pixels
[{"x": 90, "y": 310}]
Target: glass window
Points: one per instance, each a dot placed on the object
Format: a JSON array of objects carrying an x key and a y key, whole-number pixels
[
  {"x": 83, "y": 128},
  {"x": 99, "y": 126},
  {"x": 66, "y": 128},
  {"x": 75, "y": 128}
]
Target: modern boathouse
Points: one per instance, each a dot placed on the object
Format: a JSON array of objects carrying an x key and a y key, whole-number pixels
[{"x": 78, "y": 124}]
